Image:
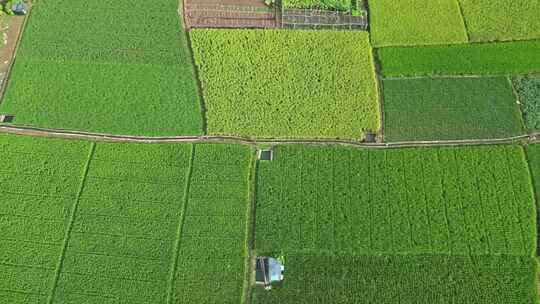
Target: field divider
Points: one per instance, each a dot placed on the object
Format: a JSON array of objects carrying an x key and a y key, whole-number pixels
[
  {"x": 176, "y": 252},
  {"x": 250, "y": 229},
  {"x": 69, "y": 228},
  {"x": 56, "y": 133}
]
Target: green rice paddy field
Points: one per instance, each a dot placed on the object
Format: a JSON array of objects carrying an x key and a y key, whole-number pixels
[
  {"x": 120, "y": 71},
  {"x": 87, "y": 222},
  {"x": 122, "y": 223}
]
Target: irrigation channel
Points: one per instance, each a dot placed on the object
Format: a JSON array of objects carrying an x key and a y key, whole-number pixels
[{"x": 66, "y": 134}]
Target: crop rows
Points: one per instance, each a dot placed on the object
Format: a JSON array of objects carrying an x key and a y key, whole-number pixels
[
  {"x": 113, "y": 223},
  {"x": 510, "y": 58},
  {"x": 212, "y": 252},
  {"x": 115, "y": 70},
  {"x": 450, "y": 109},
  {"x": 319, "y": 278},
  {"x": 344, "y": 5},
  {"x": 277, "y": 87},
  {"x": 38, "y": 190},
  {"x": 460, "y": 201}
]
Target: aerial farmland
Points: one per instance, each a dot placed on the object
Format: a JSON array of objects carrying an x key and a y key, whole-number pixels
[{"x": 269, "y": 151}]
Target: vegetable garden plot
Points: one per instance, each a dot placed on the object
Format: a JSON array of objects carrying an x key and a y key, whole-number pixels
[
  {"x": 416, "y": 22},
  {"x": 287, "y": 84},
  {"x": 39, "y": 184},
  {"x": 457, "y": 201},
  {"x": 343, "y": 5},
  {"x": 528, "y": 90},
  {"x": 450, "y": 109},
  {"x": 510, "y": 58},
  {"x": 131, "y": 75},
  {"x": 318, "y": 278},
  {"x": 501, "y": 20}
]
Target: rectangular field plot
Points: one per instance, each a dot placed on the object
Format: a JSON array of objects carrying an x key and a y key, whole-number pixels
[
  {"x": 528, "y": 90},
  {"x": 213, "y": 250},
  {"x": 450, "y": 109},
  {"x": 39, "y": 182},
  {"x": 501, "y": 20},
  {"x": 416, "y": 22},
  {"x": 130, "y": 75},
  {"x": 404, "y": 279},
  {"x": 509, "y": 58},
  {"x": 450, "y": 201},
  {"x": 122, "y": 223},
  {"x": 283, "y": 84}
]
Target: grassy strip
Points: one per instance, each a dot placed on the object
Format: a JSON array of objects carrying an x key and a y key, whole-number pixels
[{"x": 511, "y": 58}]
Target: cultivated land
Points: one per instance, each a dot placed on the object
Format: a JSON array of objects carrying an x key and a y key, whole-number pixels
[
  {"x": 416, "y": 22},
  {"x": 122, "y": 223},
  {"x": 528, "y": 91},
  {"x": 90, "y": 222},
  {"x": 119, "y": 71},
  {"x": 268, "y": 84},
  {"x": 450, "y": 109},
  {"x": 319, "y": 4},
  {"x": 424, "y": 225},
  {"x": 463, "y": 59},
  {"x": 501, "y": 20}
]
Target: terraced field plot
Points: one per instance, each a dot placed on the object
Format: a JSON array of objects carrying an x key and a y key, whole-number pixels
[
  {"x": 124, "y": 223},
  {"x": 287, "y": 84},
  {"x": 416, "y": 22},
  {"x": 510, "y": 58},
  {"x": 450, "y": 109},
  {"x": 398, "y": 225},
  {"x": 501, "y": 20},
  {"x": 119, "y": 71}
]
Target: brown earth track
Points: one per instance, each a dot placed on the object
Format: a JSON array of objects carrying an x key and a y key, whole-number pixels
[
  {"x": 11, "y": 32},
  {"x": 228, "y": 14}
]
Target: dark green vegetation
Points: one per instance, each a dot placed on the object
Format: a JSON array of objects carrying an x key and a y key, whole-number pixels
[
  {"x": 122, "y": 223},
  {"x": 501, "y": 20},
  {"x": 423, "y": 225},
  {"x": 107, "y": 68},
  {"x": 287, "y": 84},
  {"x": 344, "y": 5},
  {"x": 464, "y": 59},
  {"x": 450, "y": 108},
  {"x": 416, "y": 22},
  {"x": 528, "y": 90},
  {"x": 320, "y": 278}
]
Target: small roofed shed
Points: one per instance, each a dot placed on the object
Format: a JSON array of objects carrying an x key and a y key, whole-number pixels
[
  {"x": 19, "y": 8},
  {"x": 268, "y": 270}
]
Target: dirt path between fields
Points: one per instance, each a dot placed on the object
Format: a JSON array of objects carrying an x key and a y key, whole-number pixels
[{"x": 55, "y": 133}]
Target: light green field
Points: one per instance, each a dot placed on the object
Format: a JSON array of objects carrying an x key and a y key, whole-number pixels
[
  {"x": 287, "y": 84},
  {"x": 416, "y": 22},
  {"x": 501, "y": 20}
]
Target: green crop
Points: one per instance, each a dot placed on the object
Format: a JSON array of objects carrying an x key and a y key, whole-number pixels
[
  {"x": 510, "y": 58},
  {"x": 450, "y": 108},
  {"x": 287, "y": 84},
  {"x": 344, "y": 279},
  {"x": 344, "y": 5},
  {"x": 123, "y": 223},
  {"x": 528, "y": 90},
  {"x": 118, "y": 71},
  {"x": 458, "y": 201},
  {"x": 416, "y": 22},
  {"x": 501, "y": 20}
]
